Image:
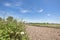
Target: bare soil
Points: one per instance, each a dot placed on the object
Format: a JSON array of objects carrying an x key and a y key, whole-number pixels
[{"x": 42, "y": 33}]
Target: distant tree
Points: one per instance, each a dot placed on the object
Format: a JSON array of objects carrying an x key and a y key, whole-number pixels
[
  {"x": 9, "y": 18},
  {"x": 1, "y": 19}
]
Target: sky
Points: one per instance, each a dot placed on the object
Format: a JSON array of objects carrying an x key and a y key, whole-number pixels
[{"x": 36, "y": 11}]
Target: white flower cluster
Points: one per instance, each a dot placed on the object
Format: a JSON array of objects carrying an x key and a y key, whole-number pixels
[{"x": 22, "y": 33}]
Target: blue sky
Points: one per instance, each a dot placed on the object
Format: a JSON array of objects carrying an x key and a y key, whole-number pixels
[{"x": 31, "y": 10}]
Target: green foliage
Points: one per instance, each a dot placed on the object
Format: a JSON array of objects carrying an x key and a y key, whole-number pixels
[
  {"x": 10, "y": 29},
  {"x": 50, "y": 25}
]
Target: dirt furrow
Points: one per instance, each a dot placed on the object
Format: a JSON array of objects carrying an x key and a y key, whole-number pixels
[{"x": 42, "y": 33}]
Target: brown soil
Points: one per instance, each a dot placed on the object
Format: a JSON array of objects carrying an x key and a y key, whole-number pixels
[{"x": 42, "y": 33}]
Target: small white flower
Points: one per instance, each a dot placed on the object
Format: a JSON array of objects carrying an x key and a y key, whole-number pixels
[{"x": 22, "y": 33}]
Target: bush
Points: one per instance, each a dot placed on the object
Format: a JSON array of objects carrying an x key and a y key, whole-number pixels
[{"x": 10, "y": 29}]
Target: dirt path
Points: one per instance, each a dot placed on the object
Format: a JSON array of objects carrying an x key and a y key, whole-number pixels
[{"x": 42, "y": 33}]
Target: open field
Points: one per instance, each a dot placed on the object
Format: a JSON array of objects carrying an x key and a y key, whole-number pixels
[
  {"x": 42, "y": 33},
  {"x": 45, "y": 25}
]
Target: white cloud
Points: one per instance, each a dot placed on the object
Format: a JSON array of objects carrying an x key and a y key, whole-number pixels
[
  {"x": 14, "y": 4},
  {"x": 24, "y": 11},
  {"x": 48, "y": 14},
  {"x": 7, "y": 4},
  {"x": 18, "y": 4},
  {"x": 41, "y": 10}
]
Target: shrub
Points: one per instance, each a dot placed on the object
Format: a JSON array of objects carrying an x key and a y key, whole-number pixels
[{"x": 10, "y": 29}]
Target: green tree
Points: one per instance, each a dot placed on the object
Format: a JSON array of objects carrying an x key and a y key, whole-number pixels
[{"x": 9, "y": 18}]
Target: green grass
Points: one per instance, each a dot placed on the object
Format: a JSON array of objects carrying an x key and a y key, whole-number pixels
[{"x": 51, "y": 25}]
